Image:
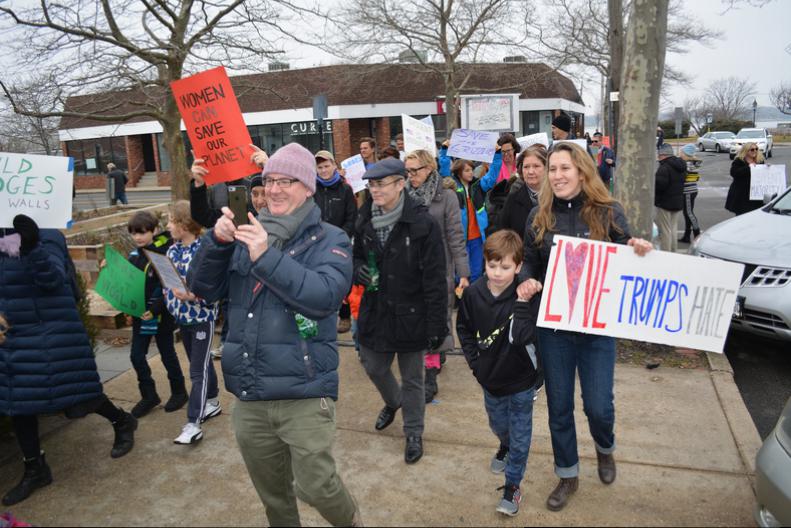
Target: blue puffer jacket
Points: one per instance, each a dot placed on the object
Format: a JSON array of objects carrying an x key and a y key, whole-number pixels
[
  {"x": 46, "y": 362},
  {"x": 264, "y": 357}
]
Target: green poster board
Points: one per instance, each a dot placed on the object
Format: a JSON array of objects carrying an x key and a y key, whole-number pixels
[{"x": 121, "y": 284}]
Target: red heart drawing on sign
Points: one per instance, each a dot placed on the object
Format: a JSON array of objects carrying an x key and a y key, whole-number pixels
[{"x": 575, "y": 262}]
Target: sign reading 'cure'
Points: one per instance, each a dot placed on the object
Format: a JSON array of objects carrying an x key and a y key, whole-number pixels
[
  {"x": 215, "y": 124},
  {"x": 602, "y": 288}
]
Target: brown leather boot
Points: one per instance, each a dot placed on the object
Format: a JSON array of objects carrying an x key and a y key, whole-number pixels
[
  {"x": 560, "y": 495},
  {"x": 606, "y": 467}
]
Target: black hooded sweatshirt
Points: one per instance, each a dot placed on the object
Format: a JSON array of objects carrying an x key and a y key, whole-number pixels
[{"x": 499, "y": 348}]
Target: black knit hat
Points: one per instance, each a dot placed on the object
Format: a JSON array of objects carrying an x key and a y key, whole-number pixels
[
  {"x": 563, "y": 122},
  {"x": 256, "y": 181}
]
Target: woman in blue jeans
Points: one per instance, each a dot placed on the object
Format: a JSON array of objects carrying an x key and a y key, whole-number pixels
[{"x": 578, "y": 206}]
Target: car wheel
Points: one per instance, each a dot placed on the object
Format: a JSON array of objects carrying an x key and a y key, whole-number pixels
[
  {"x": 732, "y": 156},
  {"x": 769, "y": 154},
  {"x": 717, "y": 148},
  {"x": 700, "y": 147}
]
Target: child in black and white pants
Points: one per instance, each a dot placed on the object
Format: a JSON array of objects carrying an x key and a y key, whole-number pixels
[{"x": 195, "y": 319}]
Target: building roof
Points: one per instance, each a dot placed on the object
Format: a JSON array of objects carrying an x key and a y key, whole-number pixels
[{"x": 344, "y": 84}]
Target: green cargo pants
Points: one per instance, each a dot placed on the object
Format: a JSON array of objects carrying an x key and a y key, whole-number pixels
[{"x": 287, "y": 448}]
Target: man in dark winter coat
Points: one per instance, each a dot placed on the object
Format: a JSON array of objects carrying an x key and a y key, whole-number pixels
[
  {"x": 284, "y": 274},
  {"x": 119, "y": 180},
  {"x": 669, "y": 196},
  {"x": 399, "y": 257},
  {"x": 338, "y": 207},
  {"x": 604, "y": 158}
]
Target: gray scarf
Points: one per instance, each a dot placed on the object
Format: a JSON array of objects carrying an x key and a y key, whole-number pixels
[
  {"x": 425, "y": 193},
  {"x": 384, "y": 222},
  {"x": 282, "y": 228}
]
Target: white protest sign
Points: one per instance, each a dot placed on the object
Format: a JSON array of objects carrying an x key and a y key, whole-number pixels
[
  {"x": 427, "y": 120},
  {"x": 767, "y": 179},
  {"x": 418, "y": 135},
  {"x": 541, "y": 138},
  {"x": 606, "y": 289},
  {"x": 168, "y": 275},
  {"x": 496, "y": 113},
  {"x": 473, "y": 145},
  {"x": 37, "y": 186},
  {"x": 582, "y": 143},
  {"x": 354, "y": 168}
]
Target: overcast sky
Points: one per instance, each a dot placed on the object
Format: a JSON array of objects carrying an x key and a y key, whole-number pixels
[{"x": 756, "y": 44}]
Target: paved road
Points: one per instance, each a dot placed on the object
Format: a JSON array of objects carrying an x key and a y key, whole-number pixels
[{"x": 762, "y": 367}]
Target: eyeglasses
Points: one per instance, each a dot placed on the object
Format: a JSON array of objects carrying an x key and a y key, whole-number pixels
[
  {"x": 415, "y": 171},
  {"x": 752, "y": 150},
  {"x": 509, "y": 151},
  {"x": 379, "y": 184},
  {"x": 595, "y": 141},
  {"x": 283, "y": 183}
]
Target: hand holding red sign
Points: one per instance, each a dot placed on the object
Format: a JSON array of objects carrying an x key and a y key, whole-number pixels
[{"x": 215, "y": 124}]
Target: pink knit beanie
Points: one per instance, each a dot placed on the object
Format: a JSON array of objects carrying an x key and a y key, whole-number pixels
[{"x": 295, "y": 161}]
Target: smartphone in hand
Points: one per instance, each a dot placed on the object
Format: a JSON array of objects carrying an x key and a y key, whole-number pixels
[{"x": 237, "y": 203}]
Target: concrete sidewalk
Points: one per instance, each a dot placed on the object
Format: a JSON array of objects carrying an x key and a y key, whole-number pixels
[{"x": 686, "y": 447}]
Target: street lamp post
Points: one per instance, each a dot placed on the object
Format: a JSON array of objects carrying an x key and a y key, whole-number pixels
[{"x": 755, "y": 106}]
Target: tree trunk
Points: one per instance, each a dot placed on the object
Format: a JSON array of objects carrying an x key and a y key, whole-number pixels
[
  {"x": 615, "y": 40},
  {"x": 179, "y": 172},
  {"x": 642, "y": 78},
  {"x": 451, "y": 110}
]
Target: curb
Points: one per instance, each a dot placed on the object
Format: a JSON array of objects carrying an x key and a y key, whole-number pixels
[{"x": 745, "y": 435}]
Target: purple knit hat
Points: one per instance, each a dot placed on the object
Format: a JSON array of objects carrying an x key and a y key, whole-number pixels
[{"x": 295, "y": 161}]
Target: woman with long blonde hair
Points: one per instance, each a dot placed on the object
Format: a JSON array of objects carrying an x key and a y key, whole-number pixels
[
  {"x": 425, "y": 187},
  {"x": 575, "y": 202},
  {"x": 738, "y": 200}
]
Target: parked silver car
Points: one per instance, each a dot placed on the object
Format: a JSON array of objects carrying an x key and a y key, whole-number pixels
[
  {"x": 761, "y": 240},
  {"x": 773, "y": 475},
  {"x": 717, "y": 141}
]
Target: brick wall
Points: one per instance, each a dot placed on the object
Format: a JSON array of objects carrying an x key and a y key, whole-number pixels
[
  {"x": 134, "y": 155},
  {"x": 94, "y": 181},
  {"x": 382, "y": 132},
  {"x": 163, "y": 177},
  {"x": 341, "y": 140}
]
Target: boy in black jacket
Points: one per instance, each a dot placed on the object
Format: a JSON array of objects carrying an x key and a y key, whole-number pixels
[
  {"x": 497, "y": 332},
  {"x": 156, "y": 321}
]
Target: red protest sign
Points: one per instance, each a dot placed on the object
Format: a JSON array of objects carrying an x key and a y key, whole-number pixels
[{"x": 215, "y": 125}]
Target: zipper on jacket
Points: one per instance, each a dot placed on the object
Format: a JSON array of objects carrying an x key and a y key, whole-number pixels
[
  {"x": 408, "y": 252},
  {"x": 306, "y": 359}
]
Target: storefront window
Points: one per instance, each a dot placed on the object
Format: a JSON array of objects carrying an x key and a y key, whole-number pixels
[
  {"x": 306, "y": 133},
  {"x": 91, "y": 156}
]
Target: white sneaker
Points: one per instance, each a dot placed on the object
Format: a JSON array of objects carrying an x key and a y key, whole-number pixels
[
  {"x": 212, "y": 409},
  {"x": 216, "y": 353},
  {"x": 190, "y": 434}
]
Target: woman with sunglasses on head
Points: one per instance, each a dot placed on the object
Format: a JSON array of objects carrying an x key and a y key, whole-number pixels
[
  {"x": 575, "y": 203},
  {"x": 738, "y": 200},
  {"x": 425, "y": 188}
]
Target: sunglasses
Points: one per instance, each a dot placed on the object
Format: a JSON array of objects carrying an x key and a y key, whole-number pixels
[
  {"x": 752, "y": 150},
  {"x": 596, "y": 141}
]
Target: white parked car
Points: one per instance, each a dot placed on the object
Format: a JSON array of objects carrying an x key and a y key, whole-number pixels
[
  {"x": 760, "y": 136},
  {"x": 760, "y": 240},
  {"x": 717, "y": 141}
]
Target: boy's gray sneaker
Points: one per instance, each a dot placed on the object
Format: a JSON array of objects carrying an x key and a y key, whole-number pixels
[
  {"x": 499, "y": 460},
  {"x": 509, "y": 504}
]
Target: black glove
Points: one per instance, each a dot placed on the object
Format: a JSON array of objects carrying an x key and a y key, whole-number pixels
[
  {"x": 28, "y": 232},
  {"x": 434, "y": 342},
  {"x": 364, "y": 275}
]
